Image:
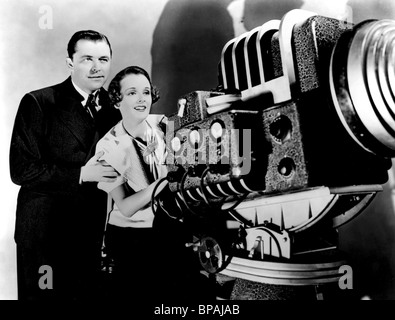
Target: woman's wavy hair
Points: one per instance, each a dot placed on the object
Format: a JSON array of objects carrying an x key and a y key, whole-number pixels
[{"x": 114, "y": 89}]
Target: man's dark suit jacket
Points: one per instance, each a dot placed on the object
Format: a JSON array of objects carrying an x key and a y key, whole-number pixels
[{"x": 59, "y": 222}]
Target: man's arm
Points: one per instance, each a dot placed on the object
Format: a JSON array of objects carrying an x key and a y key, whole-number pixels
[{"x": 29, "y": 165}]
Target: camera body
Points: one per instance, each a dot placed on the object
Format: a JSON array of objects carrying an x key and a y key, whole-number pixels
[{"x": 296, "y": 139}]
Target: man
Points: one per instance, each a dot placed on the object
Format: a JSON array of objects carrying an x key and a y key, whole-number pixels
[{"x": 60, "y": 212}]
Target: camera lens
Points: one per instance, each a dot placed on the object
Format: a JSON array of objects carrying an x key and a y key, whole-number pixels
[{"x": 362, "y": 83}]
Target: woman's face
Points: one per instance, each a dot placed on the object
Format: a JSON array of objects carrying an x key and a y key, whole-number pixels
[{"x": 137, "y": 100}]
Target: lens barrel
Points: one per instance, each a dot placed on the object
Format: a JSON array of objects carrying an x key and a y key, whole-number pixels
[{"x": 362, "y": 84}]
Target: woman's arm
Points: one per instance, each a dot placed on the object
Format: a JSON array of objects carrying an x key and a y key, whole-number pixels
[{"x": 129, "y": 205}]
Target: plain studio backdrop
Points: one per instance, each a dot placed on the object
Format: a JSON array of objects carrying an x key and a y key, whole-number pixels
[{"x": 179, "y": 42}]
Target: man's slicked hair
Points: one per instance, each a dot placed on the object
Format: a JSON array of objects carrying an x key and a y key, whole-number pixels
[{"x": 85, "y": 35}]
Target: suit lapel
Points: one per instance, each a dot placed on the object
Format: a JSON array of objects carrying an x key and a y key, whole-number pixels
[{"x": 73, "y": 115}]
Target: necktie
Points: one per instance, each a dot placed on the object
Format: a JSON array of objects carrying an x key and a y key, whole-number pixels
[{"x": 91, "y": 105}]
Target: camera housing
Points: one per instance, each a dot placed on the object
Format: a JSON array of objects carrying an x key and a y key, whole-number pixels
[{"x": 295, "y": 141}]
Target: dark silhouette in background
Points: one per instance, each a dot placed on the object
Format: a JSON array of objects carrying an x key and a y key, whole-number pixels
[
  {"x": 186, "y": 49},
  {"x": 188, "y": 41}
]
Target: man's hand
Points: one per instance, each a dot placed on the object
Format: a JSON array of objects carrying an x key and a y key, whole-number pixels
[{"x": 97, "y": 170}]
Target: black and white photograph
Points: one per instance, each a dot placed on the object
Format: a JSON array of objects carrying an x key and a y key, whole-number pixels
[{"x": 192, "y": 154}]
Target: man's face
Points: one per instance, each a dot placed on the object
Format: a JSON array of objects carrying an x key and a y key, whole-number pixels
[{"x": 90, "y": 64}]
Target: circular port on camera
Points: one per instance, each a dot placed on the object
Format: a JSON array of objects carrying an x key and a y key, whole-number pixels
[
  {"x": 281, "y": 129},
  {"x": 194, "y": 138},
  {"x": 176, "y": 144},
  {"x": 216, "y": 130},
  {"x": 286, "y": 167}
]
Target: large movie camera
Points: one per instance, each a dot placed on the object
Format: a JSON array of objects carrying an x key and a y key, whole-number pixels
[{"x": 295, "y": 142}]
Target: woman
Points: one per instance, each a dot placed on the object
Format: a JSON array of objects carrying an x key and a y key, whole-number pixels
[{"x": 145, "y": 258}]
